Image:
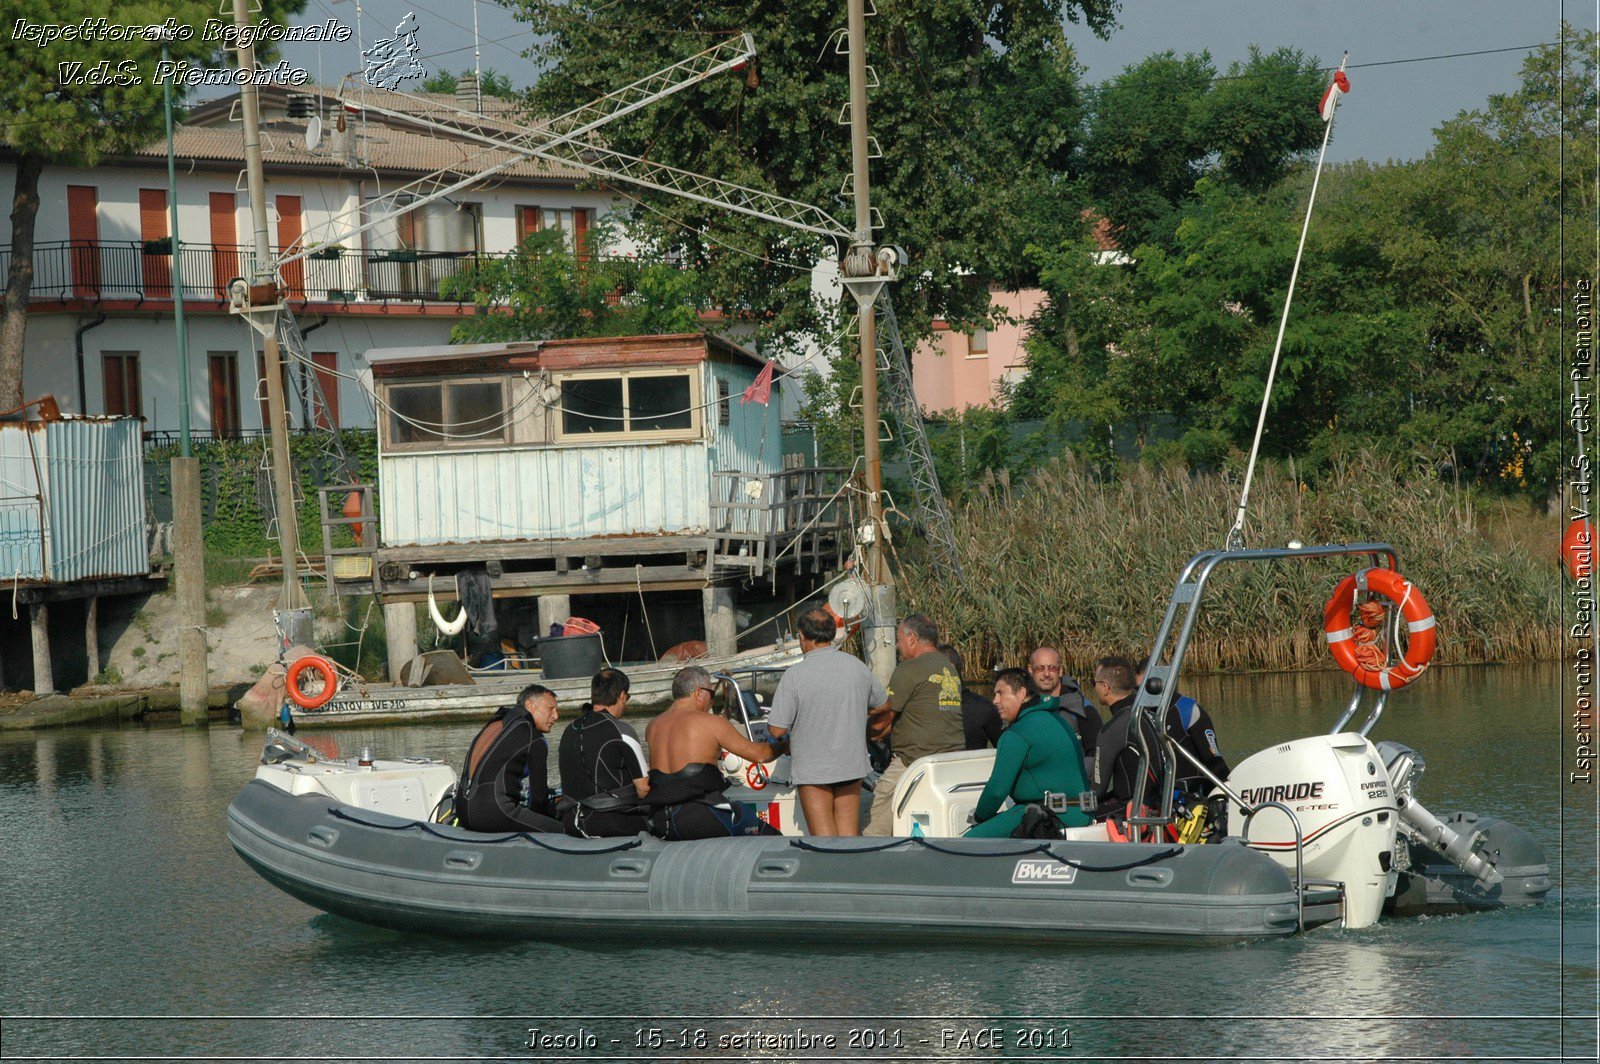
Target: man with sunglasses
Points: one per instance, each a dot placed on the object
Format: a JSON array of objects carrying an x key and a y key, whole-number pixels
[
  {"x": 1044, "y": 668},
  {"x": 686, "y": 799}
]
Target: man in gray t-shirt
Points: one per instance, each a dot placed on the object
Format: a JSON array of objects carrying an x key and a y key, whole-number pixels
[{"x": 825, "y": 699}]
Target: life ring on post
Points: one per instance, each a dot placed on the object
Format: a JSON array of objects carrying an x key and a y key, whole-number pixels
[
  {"x": 321, "y": 666},
  {"x": 1422, "y": 638}
]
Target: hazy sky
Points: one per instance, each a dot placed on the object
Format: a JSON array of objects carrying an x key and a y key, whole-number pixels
[{"x": 1390, "y": 112}]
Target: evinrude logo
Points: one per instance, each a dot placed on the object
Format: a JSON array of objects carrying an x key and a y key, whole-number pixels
[
  {"x": 1283, "y": 792},
  {"x": 1037, "y": 871}
]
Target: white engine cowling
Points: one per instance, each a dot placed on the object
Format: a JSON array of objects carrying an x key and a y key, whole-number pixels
[{"x": 1340, "y": 793}]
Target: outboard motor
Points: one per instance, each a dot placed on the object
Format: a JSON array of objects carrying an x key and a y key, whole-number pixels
[
  {"x": 1465, "y": 861},
  {"x": 1340, "y": 794}
]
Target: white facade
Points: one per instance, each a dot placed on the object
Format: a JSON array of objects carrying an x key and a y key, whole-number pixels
[{"x": 349, "y": 305}]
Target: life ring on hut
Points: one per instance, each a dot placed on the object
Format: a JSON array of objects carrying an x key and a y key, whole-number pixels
[
  {"x": 1354, "y": 645},
  {"x": 324, "y": 668}
]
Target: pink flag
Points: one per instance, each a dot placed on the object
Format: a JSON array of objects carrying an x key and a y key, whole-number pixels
[
  {"x": 1340, "y": 86},
  {"x": 761, "y": 390}
]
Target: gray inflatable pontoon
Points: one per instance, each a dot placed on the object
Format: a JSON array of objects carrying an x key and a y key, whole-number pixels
[{"x": 412, "y": 875}]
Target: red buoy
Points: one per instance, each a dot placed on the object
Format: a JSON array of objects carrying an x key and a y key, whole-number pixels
[{"x": 1577, "y": 549}]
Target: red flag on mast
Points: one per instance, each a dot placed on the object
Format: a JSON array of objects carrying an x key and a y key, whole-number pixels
[{"x": 761, "y": 390}]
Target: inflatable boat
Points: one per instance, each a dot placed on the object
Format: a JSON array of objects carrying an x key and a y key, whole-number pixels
[{"x": 1323, "y": 829}]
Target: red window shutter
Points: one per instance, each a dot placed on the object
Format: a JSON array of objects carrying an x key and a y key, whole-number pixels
[
  {"x": 157, "y": 269},
  {"x": 327, "y": 363},
  {"x": 224, "y": 395},
  {"x": 527, "y": 222},
  {"x": 294, "y": 274},
  {"x": 111, "y": 376},
  {"x": 83, "y": 229},
  {"x": 580, "y": 233},
  {"x": 224, "y": 243}
]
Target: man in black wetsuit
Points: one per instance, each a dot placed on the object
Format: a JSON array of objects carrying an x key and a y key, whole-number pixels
[
  {"x": 686, "y": 786},
  {"x": 980, "y": 721},
  {"x": 1190, "y": 727},
  {"x": 603, "y": 767},
  {"x": 504, "y": 782},
  {"x": 1116, "y": 761}
]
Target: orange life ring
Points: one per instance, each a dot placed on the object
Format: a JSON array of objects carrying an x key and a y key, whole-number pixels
[
  {"x": 1577, "y": 549},
  {"x": 756, "y": 775},
  {"x": 1423, "y": 635},
  {"x": 330, "y": 682},
  {"x": 854, "y": 626}
]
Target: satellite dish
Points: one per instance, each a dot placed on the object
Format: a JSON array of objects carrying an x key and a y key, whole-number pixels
[
  {"x": 313, "y": 133},
  {"x": 848, "y": 599}
]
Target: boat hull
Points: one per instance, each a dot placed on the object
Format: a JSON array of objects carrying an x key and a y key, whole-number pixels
[{"x": 384, "y": 870}]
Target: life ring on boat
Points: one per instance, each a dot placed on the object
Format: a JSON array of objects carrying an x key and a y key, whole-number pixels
[
  {"x": 321, "y": 666},
  {"x": 1342, "y": 635},
  {"x": 756, "y": 775}
]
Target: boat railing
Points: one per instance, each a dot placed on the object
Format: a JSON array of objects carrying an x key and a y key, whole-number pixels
[{"x": 1154, "y": 697}]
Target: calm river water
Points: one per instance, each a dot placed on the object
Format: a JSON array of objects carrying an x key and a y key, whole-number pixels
[{"x": 130, "y": 930}]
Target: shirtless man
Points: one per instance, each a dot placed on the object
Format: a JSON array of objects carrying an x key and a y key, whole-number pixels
[{"x": 685, "y": 783}]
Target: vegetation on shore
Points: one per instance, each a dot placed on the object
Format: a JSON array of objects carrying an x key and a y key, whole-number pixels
[{"x": 1088, "y": 562}]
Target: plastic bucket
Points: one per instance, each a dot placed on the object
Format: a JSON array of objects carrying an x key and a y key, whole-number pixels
[{"x": 566, "y": 656}]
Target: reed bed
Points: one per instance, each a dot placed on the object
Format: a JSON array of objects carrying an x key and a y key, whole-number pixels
[{"x": 1088, "y": 564}]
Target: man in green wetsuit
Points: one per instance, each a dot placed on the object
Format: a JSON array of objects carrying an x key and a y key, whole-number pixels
[{"x": 1038, "y": 754}]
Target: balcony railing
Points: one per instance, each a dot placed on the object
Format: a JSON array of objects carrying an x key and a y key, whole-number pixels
[{"x": 100, "y": 271}]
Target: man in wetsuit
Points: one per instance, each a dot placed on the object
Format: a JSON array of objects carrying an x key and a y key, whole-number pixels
[
  {"x": 1037, "y": 763},
  {"x": 686, "y": 799},
  {"x": 504, "y": 782},
  {"x": 1191, "y": 729},
  {"x": 603, "y": 767},
  {"x": 924, "y": 715},
  {"x": 1116, "y": 760},
  {"x": 1044, "y": 666},
  {"x": 980, "y": 721}
]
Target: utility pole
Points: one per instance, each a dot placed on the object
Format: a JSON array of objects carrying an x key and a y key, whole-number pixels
[
  {"x": 863, "y": 276},
  {"x": 295, "y": 621},
  {"x": 189, "y": 541}
]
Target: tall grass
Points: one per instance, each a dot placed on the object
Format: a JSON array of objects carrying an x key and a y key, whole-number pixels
[{"x": 1088, "y": 564}]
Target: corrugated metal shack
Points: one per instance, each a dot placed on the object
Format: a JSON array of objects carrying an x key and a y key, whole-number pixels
[
  {"x": 72, "y": 524},
  {"x": 625, "y": 467}
]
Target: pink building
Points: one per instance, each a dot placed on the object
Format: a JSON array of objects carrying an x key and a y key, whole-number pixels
[{"x": 956, "y": 370}]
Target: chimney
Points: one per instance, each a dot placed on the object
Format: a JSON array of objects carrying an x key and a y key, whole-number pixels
[{"x": 467, "y": 94}]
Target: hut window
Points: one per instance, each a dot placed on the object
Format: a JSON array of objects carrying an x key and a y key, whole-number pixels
[
  {"x": 653, "y": 404},
  {"x": 467, "y": 414}
]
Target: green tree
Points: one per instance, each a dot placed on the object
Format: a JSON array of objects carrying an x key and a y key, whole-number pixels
[
  {"x": 44, "y": 121},
  {"x": 494, "y": 83},
  {"x": 1158, "y": 127},
  {"x": 546, "y": 289},
  {"x": 975, "y": 110}
]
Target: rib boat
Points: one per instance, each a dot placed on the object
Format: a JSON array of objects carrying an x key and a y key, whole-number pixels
[{"x": 1322, "y": 830}]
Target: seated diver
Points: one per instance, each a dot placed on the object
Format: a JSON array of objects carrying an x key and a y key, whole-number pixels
[
  {"x": 1190, "y": 727},
  {"x": 1038, "y": 764},
  {"x": 603, "y": 767},
  {"x": 504, "y": 782},
  {"x": 685, "y": 799}
]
